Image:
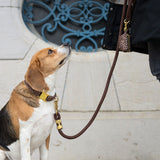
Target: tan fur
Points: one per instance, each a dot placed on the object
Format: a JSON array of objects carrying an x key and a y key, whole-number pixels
[
  {"x": 42, "y": 64},
  {"x": 2, "y": 149},
  {"x": 35, "y": 77},
  {"x": 26, "y": 95},
  {"x": 18, "y": 109},
  {"x": 47, "y": 142}
]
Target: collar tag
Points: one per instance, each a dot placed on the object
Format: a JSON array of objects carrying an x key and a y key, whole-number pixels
[{"x": 43, "y": 96}]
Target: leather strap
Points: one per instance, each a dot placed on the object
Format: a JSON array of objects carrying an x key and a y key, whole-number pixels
[
  {"x": 131, "y": 5},
  {"x": 57, "y": 115},
  {"x": 39, "y": 94}
]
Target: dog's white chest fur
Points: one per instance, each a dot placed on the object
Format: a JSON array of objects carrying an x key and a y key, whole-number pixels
[
  {"x": 41, "y": 129},
  {"x": 37, "y": 128}
]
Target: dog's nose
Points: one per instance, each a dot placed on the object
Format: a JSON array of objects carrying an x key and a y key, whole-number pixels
[{"x": 66, "y": 44}]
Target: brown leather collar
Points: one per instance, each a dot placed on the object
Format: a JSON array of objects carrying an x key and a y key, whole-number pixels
[{"x": 39, "y": 94}]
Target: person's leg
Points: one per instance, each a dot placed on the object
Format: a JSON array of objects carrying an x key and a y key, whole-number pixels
[{"x": 154, "y": 57}]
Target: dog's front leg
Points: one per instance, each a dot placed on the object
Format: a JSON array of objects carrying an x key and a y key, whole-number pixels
[
  {"x": 2, "y": 155},
  {"x": 44, "y": 149},
  {"x": 25, "y": 137}
]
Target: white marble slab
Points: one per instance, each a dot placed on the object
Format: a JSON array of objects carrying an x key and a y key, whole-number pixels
[
  {"x": 137, "y": 88},
  {"x": 85, "y": 83},
  {"x": 17, "y": 3},
  {"x": 5, "y": 3},
  {"x": 13, "y": 40}
]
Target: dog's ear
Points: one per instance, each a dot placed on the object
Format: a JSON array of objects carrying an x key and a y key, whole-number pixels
[
  {"x": 4, "y": 148},
  {"x": 34, "y": 76}
]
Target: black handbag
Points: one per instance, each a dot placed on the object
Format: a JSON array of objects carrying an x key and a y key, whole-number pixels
[{"x": 112, "y": 29}]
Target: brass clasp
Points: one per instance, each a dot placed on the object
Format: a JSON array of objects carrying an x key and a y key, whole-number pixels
[
  {"x": 56, "y": 104},
  {"x": 126, "y": 24},
  {"x": 59, "y": 124},
  {"x": 57, "y": 116},
  {"x": 43, "y": 96}
]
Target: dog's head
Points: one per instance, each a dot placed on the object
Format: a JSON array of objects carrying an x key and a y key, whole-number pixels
[{"x": 44, "y": 63}]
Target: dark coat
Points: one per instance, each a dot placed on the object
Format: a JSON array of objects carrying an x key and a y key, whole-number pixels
[
  {"x": 146, "y": 21},
  {"x": 145, "y": 25},
  {"x": 112, "y": 27}
]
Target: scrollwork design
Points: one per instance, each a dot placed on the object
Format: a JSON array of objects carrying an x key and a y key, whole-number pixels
[{"x": 84, "y": 13}]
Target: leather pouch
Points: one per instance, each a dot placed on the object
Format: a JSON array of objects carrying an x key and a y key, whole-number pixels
[{"x": 124, "y": 42}]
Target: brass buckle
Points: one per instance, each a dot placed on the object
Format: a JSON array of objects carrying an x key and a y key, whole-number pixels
[{"x": 43, "y": 96}]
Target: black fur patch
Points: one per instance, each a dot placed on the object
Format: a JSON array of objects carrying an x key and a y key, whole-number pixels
[{"x": 7, "y": 133}]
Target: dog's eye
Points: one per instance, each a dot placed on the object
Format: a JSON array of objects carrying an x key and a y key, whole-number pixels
[{"x": 50, "y": 51}]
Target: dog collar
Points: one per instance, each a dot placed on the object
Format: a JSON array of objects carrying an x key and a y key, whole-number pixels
[{"x": 42, "y": 95}]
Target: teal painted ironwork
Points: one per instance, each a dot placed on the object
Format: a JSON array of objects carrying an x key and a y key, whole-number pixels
[{"x": 83, "y": 12}]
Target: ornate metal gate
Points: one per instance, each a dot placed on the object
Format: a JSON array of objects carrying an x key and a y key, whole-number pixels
[{"x": 80, "y": 23}]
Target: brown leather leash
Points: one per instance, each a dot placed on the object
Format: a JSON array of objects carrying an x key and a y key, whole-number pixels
[{"x": 57, "y": 115}]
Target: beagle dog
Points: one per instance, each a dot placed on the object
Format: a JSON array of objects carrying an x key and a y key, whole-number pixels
[{"x": 26, "y": 120}]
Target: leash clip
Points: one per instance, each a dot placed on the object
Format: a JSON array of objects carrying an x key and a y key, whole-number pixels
[
  {"x": 59, "y": 124},
  {"x": 57, "y": 115},
  {"x": 56, "y": 104},
  {"x": 58, "y": 121},
  {"x": 126, "y": 24}
]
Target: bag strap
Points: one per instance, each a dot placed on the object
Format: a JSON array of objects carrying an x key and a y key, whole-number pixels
[
  {"x": 131, "y": 5},
  {"x": 129, "y": 10}
]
